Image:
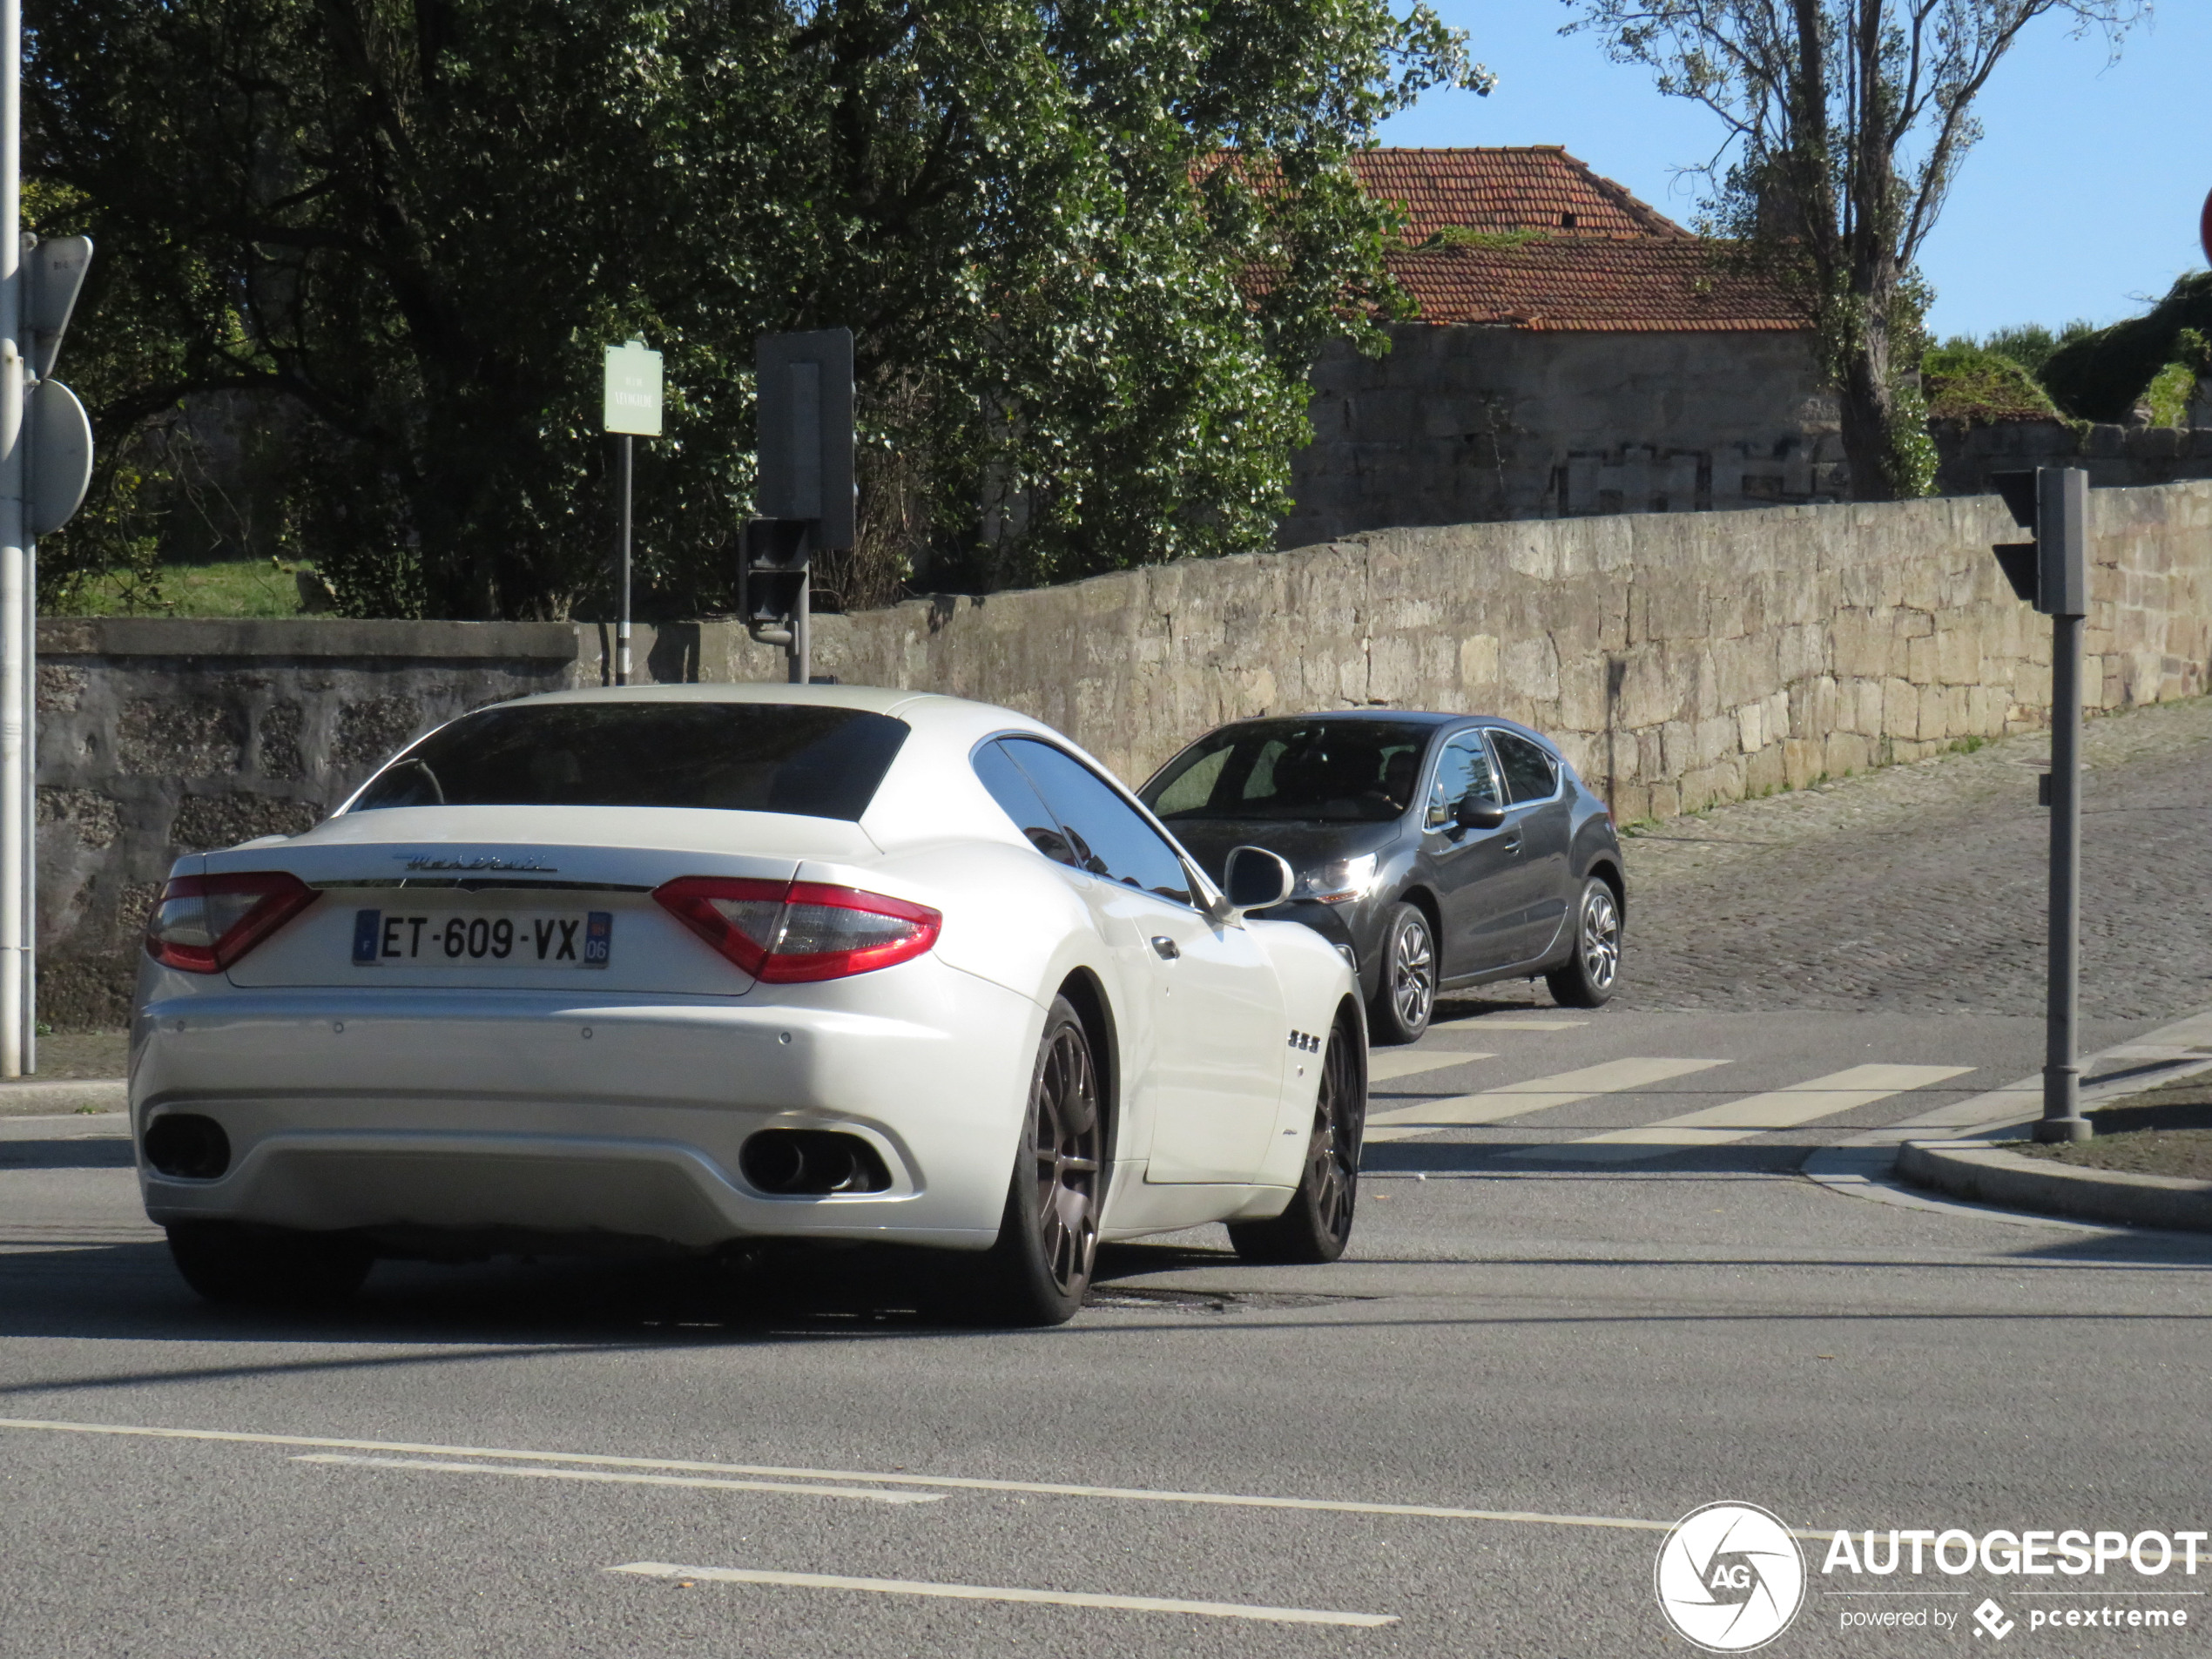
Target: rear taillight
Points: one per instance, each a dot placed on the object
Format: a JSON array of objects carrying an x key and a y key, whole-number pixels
[
  {"x": 790, "y": 932},
  {"x": 203, "y": 923}
]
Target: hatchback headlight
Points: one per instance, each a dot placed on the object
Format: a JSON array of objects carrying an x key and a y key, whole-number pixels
[{"x": 1339, "y": 882}]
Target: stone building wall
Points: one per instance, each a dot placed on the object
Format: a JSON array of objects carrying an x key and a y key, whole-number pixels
[
  {"x": 1677, "y": 659},
  {"x": 2115, "y": 456},
  {"x": 1462, "y": 424}
]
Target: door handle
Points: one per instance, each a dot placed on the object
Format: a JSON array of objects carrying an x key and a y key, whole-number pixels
[
  {"x": 1511, "y": 843},
  {"x": 1166, "y": 948}
]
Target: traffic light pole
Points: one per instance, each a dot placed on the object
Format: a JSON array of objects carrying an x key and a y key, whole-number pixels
[
  {"x": 2062, "y": 1119},
  {"x": 14, "y": 853}
]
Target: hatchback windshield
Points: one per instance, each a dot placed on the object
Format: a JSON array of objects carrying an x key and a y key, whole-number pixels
[
  {"x": 1330, "y": 771},
  {"x": 739, "y": 757}
]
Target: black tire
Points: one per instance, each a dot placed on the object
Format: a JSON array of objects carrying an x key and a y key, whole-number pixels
[
  {"x": 268, "y": 1267},
  {"x": 1588, "y": 978},
  {"x": 1407, "y": 996},
  {"x": 1316, "y": 1225},
  {"x": 1040, "y": 1268}
]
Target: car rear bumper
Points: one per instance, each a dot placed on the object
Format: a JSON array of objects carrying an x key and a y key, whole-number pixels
[{"x": 405, "y": 1113}]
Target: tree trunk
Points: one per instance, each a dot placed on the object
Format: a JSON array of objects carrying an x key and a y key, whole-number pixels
[{"x": 1868, "y": 402}]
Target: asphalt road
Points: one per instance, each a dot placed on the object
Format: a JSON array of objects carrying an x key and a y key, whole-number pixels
[{"x": 1543, "y": 1348}]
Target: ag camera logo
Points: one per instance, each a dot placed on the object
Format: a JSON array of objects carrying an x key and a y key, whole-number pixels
[{"x": 1730, "y": 1577}]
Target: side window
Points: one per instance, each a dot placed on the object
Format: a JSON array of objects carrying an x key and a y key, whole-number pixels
[
  {"x": 995, "y": 770},
  {"x": 1194, "y": 789},
  {"x": 1107, "y": 835},
  {"x": 1462, "y": 769},
  {"x": 1529, "y": 773}
]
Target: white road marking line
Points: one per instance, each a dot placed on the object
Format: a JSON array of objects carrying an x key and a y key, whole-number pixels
[
  {"x": 961, "y": 1483},
  {"x": 989, "y": 1593},
  {"x": 1739, "y": 1120},
  {"x": 875, "y": 1493},
  {"x": 1537, "y": 1095},
  {"x": 1404, "y": 1062},
  {"x": 1493, "y": 1023}
]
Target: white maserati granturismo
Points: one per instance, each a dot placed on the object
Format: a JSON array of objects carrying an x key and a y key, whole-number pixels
[{"x": 691, "y": 967}]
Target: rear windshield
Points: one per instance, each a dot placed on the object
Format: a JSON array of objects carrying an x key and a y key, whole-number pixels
[
  {"x": 738, "y": 757},
  {"x": 1315, "y": 771}
]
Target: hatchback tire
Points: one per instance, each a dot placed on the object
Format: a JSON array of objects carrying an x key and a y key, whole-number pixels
[
  {"x": 1406, "y": 997},
  {"x": 1588, "y": 977},
  {"x": 1316, "y": 1224},
  {"x": 1039, "y": 1269},
  {"x": 239, "y": 1266}
]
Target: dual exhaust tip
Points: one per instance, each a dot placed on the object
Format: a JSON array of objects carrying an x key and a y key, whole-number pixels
[{"x": 811, "y": 1162}]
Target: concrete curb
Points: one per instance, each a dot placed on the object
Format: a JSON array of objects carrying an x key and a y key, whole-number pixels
[
  {"x": 1984, "y": 1174},
  {"x": 1868, "y": 1165},
  {"x": 34, "y": 1099}
]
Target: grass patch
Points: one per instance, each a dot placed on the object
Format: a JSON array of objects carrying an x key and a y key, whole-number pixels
[
  {"x": 215, "y": 588},
  {"x": 2160, "y": 1131}
]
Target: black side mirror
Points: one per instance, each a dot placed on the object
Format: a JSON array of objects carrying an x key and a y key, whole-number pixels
[
  {"x": 1473, "y": 814},
  {"x": 1256, "y": 879}
]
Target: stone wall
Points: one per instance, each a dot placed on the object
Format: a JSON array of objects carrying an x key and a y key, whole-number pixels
[
  {"x": 2115, "y": 456},
  {"x": 1461, "y": 424},
  {"x": 1678, "y": 660},
  {"x": 158, "y": 738}
]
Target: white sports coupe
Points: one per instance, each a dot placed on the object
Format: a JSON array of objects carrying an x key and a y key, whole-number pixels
[{"x": 697, "y": 966}]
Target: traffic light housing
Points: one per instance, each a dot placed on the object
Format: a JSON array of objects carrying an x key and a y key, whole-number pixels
[
  {"x": 774, "y": 574},
  {"x": 2051, "y": 572}
]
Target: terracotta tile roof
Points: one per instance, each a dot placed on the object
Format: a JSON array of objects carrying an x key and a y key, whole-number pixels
[
  {"x": 1598, "y": 260},
  {"x": 1531, "y": 188},
  {"x": 1597, "y": 285}
]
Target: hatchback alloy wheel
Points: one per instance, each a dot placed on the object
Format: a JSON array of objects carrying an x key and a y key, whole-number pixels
[
  {"x": 1588, "y": 977},
  {"x": 1407, "y": 994}
]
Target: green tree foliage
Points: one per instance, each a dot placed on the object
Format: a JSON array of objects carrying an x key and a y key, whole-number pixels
[
  {"x": 1964, "y": 380},
  {"x": 402, "y": 229},
  {"x": 1847, "y": 122},
  {"x": 2030, "y": 345},
  {"x": 2102, "y": 375}
]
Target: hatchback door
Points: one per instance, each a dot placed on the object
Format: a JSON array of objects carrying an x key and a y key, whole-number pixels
[
  {"x": 1538, "y": 814},
  {"x": 1475, "y": 871}
]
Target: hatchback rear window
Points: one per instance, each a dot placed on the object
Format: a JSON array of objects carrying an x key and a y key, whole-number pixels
[{"x": 810, "y": 761}]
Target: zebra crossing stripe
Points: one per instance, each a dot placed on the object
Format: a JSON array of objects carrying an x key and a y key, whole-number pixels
[
  {"x": 1537, "y": 1095},
  {"x": 1739, "y": 1120},
  {"x": 1404, "y": 1062}
]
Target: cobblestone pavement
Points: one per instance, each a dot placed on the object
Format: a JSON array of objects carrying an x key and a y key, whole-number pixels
[{"x": 1921, "y": 888}]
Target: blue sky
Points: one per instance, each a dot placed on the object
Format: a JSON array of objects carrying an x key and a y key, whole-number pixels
[{"x": 2081, "y": 199}]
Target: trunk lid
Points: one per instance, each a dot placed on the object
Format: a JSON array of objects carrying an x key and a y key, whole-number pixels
[{"x": 524, "y": 898}]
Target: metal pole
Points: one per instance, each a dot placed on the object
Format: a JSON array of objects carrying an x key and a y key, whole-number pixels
[
  {"x": 13, "y": 853},
  {"x": 622, "y": 625},
  {"x": 2062, "y": 1119},
  {"x": 30, "y": 806},
  {"x": 795, "y": 660}
]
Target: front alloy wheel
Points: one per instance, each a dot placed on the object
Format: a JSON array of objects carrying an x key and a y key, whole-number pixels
[
  {"x": 1407, "y": 994},
  {"x": 1038, "y": 1270},
  {"x": 1588, "y": 977},
  {"x": 1317, "y": 1223}
]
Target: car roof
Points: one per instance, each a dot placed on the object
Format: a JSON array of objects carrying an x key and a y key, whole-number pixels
[{"x": 1433, "y": 718}]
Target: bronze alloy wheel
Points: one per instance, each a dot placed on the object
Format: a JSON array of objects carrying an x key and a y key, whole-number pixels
[
  {"x": 1037, "y": 1271},
  {"x": 1065, "y": 1146},
  {"x": 1316, "y": 1225}
]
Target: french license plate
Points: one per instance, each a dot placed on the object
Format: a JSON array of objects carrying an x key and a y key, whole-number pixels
[{"x": 483, "y": 938}]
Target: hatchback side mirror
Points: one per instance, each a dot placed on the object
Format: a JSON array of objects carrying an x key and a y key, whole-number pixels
[
  {"x": 1256, "y": 879},
  {"x": 1473, "y": 814}
]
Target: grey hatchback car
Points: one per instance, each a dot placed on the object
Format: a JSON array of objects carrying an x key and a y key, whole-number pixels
[{"x": 1438, "y": 851}]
